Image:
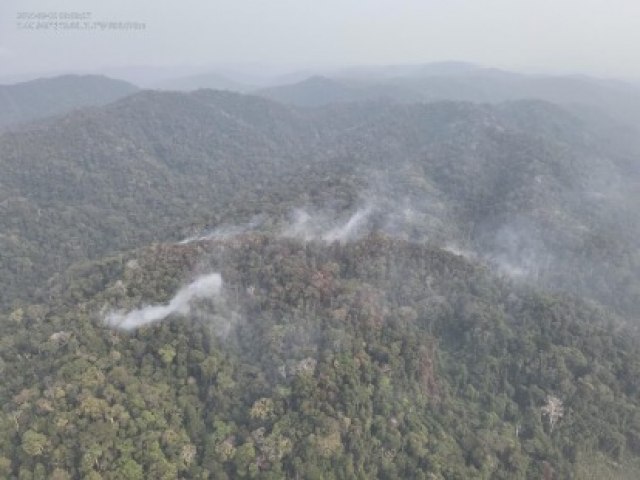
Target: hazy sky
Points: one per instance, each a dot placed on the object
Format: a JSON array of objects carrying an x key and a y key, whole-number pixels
[{"x": 600, "y": 37}]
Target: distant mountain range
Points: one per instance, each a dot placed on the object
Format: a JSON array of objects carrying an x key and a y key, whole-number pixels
[
  {"x": 214, "y": 81},
  {"x": 426, "y": 83},
  {"x": 318, "y": 91},
  {"x": 461, "y": 82},
  {"x": 23, "y": 102}
]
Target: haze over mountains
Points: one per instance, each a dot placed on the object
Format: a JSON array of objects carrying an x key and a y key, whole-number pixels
[
  {"x": 412, "y": 266},
  {"x": 462, "y": 82},
  {"x": 400, "y": 83}
]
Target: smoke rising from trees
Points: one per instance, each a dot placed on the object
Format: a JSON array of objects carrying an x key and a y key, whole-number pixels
[{"x": 203, "y": 287}]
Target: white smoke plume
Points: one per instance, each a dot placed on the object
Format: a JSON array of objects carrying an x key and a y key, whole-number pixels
[
  {"x": 349, "y": 230},
  {"x": 302, "y": 226},
  {"x": 455, "y": 249},
  {"x": 203, "y": 287},
  {"x": 226, "y": 231},
  {"x": 309, "y": 227}
]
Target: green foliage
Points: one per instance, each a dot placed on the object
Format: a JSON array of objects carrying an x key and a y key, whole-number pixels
[
  {"x": 34, "y": 443},
  {"x": 367, "y": 374}
]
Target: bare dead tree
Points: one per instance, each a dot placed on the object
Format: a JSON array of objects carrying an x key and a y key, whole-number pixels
[{"x": 553, "y": 410}]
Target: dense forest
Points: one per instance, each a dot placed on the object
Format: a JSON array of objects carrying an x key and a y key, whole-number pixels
[
  {"x": 379, "y": 358},
  {"x": 211, "y": 285}
]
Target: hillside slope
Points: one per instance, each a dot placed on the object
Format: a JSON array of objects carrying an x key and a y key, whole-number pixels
[{"x": 377, "y": 358}]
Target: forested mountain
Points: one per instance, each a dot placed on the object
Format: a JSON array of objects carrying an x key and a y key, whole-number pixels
[
  {"x": 531, "y": 187},
  {"x": 215, "y": 285},
  {"x": 45, "y": 97},
  {"x": 137, "y": 171}
]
